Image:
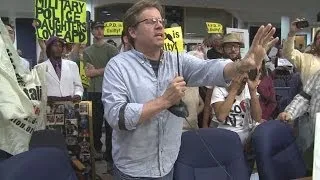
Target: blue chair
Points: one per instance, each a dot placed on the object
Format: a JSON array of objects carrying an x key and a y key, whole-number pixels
[
  {"x": 195, "y": 163},
  {"x": 283, "y": 97},
  {"x": 277, "y": 154},
  {"x": 38, "y": 164}
]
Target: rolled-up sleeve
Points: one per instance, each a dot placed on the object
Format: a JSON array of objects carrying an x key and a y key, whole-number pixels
[
  {"x": 198, "y": 72},
  {"x": 119, "y": 112}
]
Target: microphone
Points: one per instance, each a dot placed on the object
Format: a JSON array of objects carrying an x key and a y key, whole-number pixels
[
  {"x": 168, "y": 36},
  {"x": 180, "y": 109}
]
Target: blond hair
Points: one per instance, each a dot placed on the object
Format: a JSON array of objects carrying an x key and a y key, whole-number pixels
[{"x": 131, "y": 17}]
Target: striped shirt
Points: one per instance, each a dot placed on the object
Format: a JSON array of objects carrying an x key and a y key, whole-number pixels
[{"x": 301, "y": 104}]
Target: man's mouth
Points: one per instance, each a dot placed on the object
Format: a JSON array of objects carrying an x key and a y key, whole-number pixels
[{"x": 159, "y": 35}]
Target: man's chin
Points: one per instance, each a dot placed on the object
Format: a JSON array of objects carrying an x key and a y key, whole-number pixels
[{"x": 160, "y": 45}]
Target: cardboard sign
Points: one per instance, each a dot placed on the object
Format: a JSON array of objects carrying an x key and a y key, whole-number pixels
[
  {"x": 176, "y": 33},
  {"x": 214, "y": 27},
  {"x": 113, "y": 28},
  {"x": 63, "y": 18}
]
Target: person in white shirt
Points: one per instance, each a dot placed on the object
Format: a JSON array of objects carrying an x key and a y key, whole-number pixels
[
  {"x": 12, "y": 36},
  {"x": 62, "y": 77},
  {"x": 237, "y": 106}
]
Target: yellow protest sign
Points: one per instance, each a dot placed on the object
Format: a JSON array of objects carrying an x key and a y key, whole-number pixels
[
  {"x": 113, "y": 28},
  {"x": 84, "y": 79},
  {"x": 176, "y": 33},
  {"x": 63, "y": 18},
  {"x": 214, "y": 27}
]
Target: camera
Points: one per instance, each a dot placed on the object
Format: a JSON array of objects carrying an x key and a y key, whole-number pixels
[{"x": 302, "y": 24}]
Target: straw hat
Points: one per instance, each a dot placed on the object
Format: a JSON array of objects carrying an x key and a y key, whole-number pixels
[{"x": 233, "y": 38}]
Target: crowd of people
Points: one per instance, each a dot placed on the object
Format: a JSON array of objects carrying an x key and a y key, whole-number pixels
[{"x": 133, "y": 86}]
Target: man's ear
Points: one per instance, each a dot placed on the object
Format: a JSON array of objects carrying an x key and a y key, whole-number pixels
[{"x": 132, "y": 32}]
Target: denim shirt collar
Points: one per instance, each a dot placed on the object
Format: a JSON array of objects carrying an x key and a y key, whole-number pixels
[{"x": 142, "y": 58}]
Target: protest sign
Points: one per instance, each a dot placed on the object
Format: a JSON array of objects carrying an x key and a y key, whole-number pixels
[
  {"x": 23, "y": 98},
  {"x": 176, "y": 33},
  {"x": 63, "y": 18},
  {"x": 113, "y": 28},
  {"x": 214, "y": 27}
]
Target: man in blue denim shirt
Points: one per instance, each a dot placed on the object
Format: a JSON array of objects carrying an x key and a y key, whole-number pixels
[{"x": 141, "y": 84}]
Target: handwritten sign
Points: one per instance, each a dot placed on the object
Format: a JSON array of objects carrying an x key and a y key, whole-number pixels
[
  {"x": 214, "y": 27},
  {"x": 113, "y": 28},
  {"x": 63, "y": 18},
  {"x": 176, "y": 33}
]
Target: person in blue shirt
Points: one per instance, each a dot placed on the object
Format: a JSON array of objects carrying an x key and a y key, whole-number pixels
[{"x": 141, "y": 84}]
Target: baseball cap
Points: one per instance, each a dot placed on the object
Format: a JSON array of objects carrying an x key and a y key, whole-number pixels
[{"x": 95, "y": 24}]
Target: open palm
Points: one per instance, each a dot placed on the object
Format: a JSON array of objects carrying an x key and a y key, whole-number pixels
[{"x": 261, "y": 43}]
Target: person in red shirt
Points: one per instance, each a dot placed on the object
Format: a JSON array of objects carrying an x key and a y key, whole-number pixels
[{"x": 267, "y": 94}]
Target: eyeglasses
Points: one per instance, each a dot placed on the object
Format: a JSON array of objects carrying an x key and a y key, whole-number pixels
[
  {"x": 230, "y": 46},
  {"x": 153, "y": 21}
]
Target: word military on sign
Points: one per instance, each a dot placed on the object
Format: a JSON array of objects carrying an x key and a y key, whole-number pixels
[{"x": 63, "y": 18}]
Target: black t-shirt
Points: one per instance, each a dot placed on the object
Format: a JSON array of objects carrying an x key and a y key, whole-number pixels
[{"x": 155, "y": 66}]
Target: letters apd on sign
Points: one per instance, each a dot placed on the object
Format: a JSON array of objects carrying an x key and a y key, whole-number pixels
[{"x": 63, "y": 18}]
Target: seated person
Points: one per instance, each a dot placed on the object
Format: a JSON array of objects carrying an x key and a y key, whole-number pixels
[{"x": 237, "y": 106}]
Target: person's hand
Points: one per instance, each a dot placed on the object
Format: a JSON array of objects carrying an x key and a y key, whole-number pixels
[
  {"x": 270, "y": 44},
  {"x": 237, "y": 82},
  {"x": 90, "y": 70},
  {"x": 35, "y": 24},
  {"x": 293, "y": 26},
  {"x": 252, "y": 85},
  {"x": 76, "y": 99},
  {"x": 262, "y": 40},
  {"x": 175, "y": 91},
  {"x": 284, "y": 116}
]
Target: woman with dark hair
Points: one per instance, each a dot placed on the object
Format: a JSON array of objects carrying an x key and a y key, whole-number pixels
[{"x": 307, "y": 63}]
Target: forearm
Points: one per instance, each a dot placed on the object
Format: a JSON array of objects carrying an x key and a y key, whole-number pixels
[
  {"x": 42, "y": 56},
  {"x": 152, "y": 108},
  {"x": 207, "y": 108},
  {"x": 224, "y": 109},
  {"x": 290, "y": 53},
  {"x": 255, "y": 109},
  {"x": 298, "y": 106},
  {"x": 234, "y": 69},
  {"x": 97, "y": 72}
]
